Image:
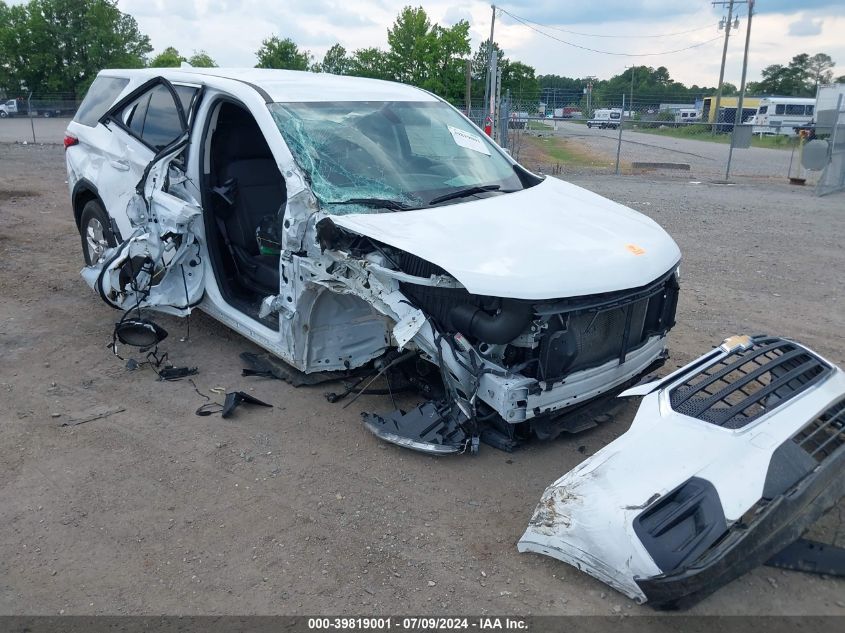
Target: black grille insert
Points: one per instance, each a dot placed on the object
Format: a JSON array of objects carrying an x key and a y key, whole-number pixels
[
  {"x": 745, "y": 384},
  {"x": 823, "y": 435}
]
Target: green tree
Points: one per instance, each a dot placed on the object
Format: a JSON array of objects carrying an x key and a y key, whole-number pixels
[
  {"x": 520, "y": 80},
  {"x": 788, "y": 81},
  {"x": 481, "y": 59},
  {"x": 411, "y": 46},
  {"x": 282, "y": 53},
  {"x": 729, "y": 89},
  {"x": 840, "y": 79},
  {"x": 446, "y": 72},
  {"x": 820, "y": 68},
  {"x": 168, "y": 58},
  {"x": 60, "y": 45},
  {"x": 201, "y": 59},
  {"x": 336, "y": 61},
  {"x": 800, "y": 78},
  {"x": 7, "y": 82},
  {"x": 369, "y": 62}
]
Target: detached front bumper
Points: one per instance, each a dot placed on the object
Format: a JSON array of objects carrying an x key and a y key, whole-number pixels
[{"x": 728, "y": 460}]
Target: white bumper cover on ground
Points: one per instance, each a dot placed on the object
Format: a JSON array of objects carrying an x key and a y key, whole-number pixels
[{"x": 658, "y": 509}]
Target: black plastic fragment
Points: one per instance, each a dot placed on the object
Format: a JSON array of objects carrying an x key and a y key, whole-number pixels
[
  {"x": 175, "y": 373},
  {"x": 235, "y": 398},
  {"x": 139, "y": 333},
  {"x": 434, "y": 427},
  {"x": 811, "y": 557},
  {"x": 497, "y": 439}
]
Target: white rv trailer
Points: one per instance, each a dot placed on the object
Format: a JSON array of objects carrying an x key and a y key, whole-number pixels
[
  {"x": 687, "y": 115},
  {"x": 781, "y": 115}
]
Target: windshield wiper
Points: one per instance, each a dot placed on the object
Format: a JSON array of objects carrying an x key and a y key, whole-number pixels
[
  {"x": 463, "y": 193},
  {"x": 378, "y": 203}
]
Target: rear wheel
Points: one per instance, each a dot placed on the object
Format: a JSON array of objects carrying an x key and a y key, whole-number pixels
[
  {"x": 96, "y": 233},
  {"x": 3, "y": 114}
]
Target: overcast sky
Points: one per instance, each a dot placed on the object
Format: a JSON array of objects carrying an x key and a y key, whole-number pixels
[{"x": 231, "y": 30}]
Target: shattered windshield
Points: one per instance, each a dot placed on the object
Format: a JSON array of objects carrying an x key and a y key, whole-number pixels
[{"x": 378, "y": 156}]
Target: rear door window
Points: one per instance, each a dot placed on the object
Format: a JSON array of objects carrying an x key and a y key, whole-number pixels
[
  {"x": 162, "y": 125},
  {"x": 153, "y": 115},
  {"x": 98, "y": 99}
]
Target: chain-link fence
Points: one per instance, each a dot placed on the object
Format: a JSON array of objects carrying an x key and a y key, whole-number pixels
[
  {"x": 573, "y": 132},
  {"x": 40, "y": 117},
  {"x": 831, "y": 130}
]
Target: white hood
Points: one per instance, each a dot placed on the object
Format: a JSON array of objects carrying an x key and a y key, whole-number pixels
[{"x": 550, "y": 241}]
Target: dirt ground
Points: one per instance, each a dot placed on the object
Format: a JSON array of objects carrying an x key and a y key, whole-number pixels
[{"x": 298, "y": 509}]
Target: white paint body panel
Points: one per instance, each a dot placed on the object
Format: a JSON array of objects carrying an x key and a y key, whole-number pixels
[
  {"x": 589, "y": 511},
  {"x": 550, "y": 241}
]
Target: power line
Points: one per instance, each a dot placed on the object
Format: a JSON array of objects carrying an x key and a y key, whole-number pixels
[
  {"x": 594, "y": 50},
  {"x": 557, "y": 28}
]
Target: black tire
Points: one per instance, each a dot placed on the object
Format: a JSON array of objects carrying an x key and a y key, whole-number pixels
[
  {"x": 95, "y": 217},
  {"x": 3, "y": 114}
]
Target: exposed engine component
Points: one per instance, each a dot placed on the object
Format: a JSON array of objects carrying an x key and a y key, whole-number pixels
[{"x": 499, "y": 328}]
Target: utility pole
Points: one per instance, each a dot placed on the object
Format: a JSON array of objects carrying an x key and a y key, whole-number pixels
[
  {"x": 589, "y": 91},
  {"x": 468, "y": 94},
  {"x": 491, "y": 77},
  {"x": 631, "y": 102},
  {"x": 730, "y": 4},
  {"x": 619, "y": 140},
  {"x": 740, "y": 104}
]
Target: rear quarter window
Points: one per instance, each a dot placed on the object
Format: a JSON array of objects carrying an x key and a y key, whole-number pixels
[{"x": 100, "y": 96}]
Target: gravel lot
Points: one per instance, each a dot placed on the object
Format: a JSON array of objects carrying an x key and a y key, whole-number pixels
[
  {"x": 706, "y": 159},
  {"x": 19, "y": 129},
  {"x": 298, "y": 509}
]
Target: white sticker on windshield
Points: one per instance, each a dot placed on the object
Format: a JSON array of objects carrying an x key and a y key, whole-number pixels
[{"x": 468, "y": 140}]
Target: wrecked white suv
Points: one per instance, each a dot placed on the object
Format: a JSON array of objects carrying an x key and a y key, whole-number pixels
[{"x": 344, "y": 223}]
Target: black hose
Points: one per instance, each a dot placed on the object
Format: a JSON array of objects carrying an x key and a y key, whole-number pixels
[{"x": 497, "y": 329}]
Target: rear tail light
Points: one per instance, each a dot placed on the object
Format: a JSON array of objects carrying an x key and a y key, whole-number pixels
[{"x": 70, "y": 140}]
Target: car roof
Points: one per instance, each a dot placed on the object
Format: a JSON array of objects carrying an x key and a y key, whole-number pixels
[{"x": 289, "y": 85}]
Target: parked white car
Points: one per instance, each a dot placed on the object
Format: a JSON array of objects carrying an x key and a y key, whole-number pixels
[
  {"x": 336, "y": 221},
  {"x": 8, "y": 108}
]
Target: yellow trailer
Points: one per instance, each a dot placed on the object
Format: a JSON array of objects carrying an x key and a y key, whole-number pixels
[{"x": 728, "y": 107}]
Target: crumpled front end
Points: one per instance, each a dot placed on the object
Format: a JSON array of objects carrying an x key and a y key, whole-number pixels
[
  {"x": 492, "y": 362},
  {"x": 728, "y": 460}
]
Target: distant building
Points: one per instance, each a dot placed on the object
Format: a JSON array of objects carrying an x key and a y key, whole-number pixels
[{"x": 674, "y": 107}]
